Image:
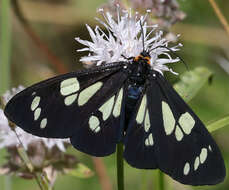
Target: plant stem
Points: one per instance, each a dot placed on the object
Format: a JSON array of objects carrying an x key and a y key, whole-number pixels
[
  {"x": 8, "y": 182},
  {"x": 120, "y": 170},
  {"x": 5, "y": 41},
  {"x": 161, "y": 180},
  {"x": 220, "y": 16}
]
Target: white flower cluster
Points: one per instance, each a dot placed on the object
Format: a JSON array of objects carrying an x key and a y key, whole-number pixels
[
  {"x": 124, "y": 40},
  {"x": 8, "y": 137}
]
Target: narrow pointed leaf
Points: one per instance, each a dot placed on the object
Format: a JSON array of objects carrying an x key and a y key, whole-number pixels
[{"x": 223, "y": 122}]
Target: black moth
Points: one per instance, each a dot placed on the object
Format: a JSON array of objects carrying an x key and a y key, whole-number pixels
[{"x": 125, "y": 102}]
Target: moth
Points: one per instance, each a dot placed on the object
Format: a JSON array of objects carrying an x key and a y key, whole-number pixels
[{"x": 125, "y": 101}]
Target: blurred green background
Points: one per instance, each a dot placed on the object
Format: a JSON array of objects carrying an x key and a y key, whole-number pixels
[{"x": 58, "y": 22}]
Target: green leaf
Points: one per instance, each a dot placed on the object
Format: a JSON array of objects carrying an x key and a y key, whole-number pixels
[
  {"x": 223, "y": 122},
  {"x": 191, "y": 82},
  {"x": 80, "y": 171}
]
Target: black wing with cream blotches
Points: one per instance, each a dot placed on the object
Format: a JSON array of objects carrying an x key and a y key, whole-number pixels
[
  {"x": 175, "y": 141},
  {"x": 186, "y": 150},
  {"x": 59, "y": 107},
  {"x": 139, "y": 139},
  {"x": 101, "y": 130}
]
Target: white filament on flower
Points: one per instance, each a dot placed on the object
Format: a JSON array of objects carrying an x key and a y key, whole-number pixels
[{"x": 124, "y": 39}]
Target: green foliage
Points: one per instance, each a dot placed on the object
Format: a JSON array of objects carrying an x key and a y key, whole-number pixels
[
  {"x": 191, "y": 82},
  {"x": 223, "y": 122}
]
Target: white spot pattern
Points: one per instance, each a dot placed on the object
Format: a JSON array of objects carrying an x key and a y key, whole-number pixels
[
  {"x": 168, "y": 118},
  {"x": 203, "y": 155},
  {"x": 118, "y": 104},
  {"x": 186, "y": 122},
  {"x": 196, "y": 163},
  {"x": 149, "y": 141},
  {"x": 70, "y": 99},
  {"x": 186, "y": 168},
  {"x": 37, "y": 113},
  {"x": 147, "y": 121},
  {"x": 94, "y": 124},
  {"x": 106, "y": 108},
  {"x": 69, "y": 86},
  {"x": 199, "y": 159},
  {"x": 210, "y": 148},
  {"x": 43, "y": 123},
  {"x": 141, "y": 110},
  {"x": 178, "y": 133},
  {"x": 35, "y": 102},
  {"x": 88, "y": 92}
]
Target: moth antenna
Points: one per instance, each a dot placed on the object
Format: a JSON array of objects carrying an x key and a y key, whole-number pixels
[{"x": 173, "y": 54}]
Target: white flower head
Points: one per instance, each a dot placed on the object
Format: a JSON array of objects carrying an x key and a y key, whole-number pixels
[
  {"x": 123, "y": 39},
  {"x": 8, "y": 137}
]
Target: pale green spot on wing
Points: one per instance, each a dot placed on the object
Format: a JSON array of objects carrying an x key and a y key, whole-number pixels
[
  {"x": 149, "y": 141},
  {"x": 147, "y": 121},
  {"x": 70, "y": 99},
  {"x": 106, "y": 108},
  {"x": 186, "y": 168},
  {"x": 141, "y": 110},
  {"x": 43, "y": 123},
  {"x": 37, "y": 113},
  {"x": 178, "y": 133},
  {"x": 196, "y": 163},
  {"x": 69, "y": 86},
  {"x": 168, "y": 118},
  {"x": 210, "y": 148},
  {"x": 94, "y": 124},
  {"x": 186, "y": 122},
  {"x": 118, "y": 104},
  {"x": 203, "y": 155},
  {"x": 88, "y": 92},
  {"x": 35, "y": 103},
  {"x": 97, "y": 129}
]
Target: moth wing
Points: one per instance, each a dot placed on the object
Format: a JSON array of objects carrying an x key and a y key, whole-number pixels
[
  {"x": 58, "y": 107},
  {"x": 139, "y": 139},
  {"x": 176, "y": 142}
]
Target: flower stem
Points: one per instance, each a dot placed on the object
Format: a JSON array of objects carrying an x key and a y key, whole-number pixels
[
  {"x": 5, "y": 41},
  {"x": 220, "y": 16},
  {"x": 161, "y": 180},
  {"x": 120, "y": 169}
]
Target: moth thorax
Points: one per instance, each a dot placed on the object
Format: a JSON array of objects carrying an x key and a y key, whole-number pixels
[{"x": 143, "y": 58}]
